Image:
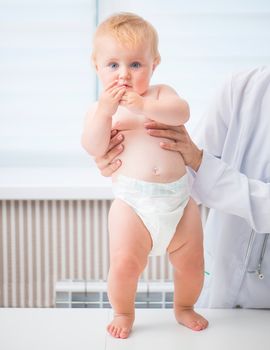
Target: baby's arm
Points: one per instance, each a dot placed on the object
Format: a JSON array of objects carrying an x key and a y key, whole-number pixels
[
  {"x": 98, "y": 122},
  {"x": 168, "y": 108},
  {"x": 96, "y": 132}
]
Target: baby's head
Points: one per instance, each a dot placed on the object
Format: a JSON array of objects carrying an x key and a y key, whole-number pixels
[
  {"x": 130, "y": 31},
  {"x": 125, "y": 52}
]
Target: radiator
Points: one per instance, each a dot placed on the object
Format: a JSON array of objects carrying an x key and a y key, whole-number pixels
[
  {"x": 42, "y": 242},
  {"x": 89, "y": 294}
]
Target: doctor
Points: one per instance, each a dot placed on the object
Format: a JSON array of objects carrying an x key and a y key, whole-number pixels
[{"x": 231, "y": 176}]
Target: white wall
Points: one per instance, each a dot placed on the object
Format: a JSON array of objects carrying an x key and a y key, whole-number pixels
[{"x": 46, "y": 80}]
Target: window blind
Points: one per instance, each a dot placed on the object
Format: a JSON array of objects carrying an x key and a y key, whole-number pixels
[{"x": 46, "y": 80}]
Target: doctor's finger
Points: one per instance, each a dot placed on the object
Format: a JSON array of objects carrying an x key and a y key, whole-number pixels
[
  {"x": 111, "y": 168},
  {"x": 167, "y": 133},
  {"x": 155, "y": 125},
  {"x": 160, "y": 126},
  {"x": 115, "y": 140},
  {"x": 109, "y": 158},
  {"x": 113, "y": 132},
  {"x": 172, "y": 146}
]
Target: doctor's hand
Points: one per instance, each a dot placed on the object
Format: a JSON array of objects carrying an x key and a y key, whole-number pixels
[
  {"x": 179, "y": 141},
  {"x": 109, "y": 163}
]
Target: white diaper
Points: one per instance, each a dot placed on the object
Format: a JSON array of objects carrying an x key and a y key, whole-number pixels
[{"x": 159, "y": 205}]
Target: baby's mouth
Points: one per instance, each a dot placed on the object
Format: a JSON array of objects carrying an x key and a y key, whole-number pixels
[{"x": 125, "y": 85}]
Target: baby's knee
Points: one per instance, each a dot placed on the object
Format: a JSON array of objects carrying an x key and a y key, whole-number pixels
[
  {"x": 126, "y": 266},
  {"x": 194, "y": 264},
  {"x": 190, "y": 263}
]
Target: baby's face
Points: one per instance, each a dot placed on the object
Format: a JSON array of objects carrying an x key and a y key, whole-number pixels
[{"x": 132, "y": 67}]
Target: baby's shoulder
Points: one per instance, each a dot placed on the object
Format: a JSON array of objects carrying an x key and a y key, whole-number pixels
[
  {"x": 153, "y": 90},
  {"x": 161, "y": 89}
]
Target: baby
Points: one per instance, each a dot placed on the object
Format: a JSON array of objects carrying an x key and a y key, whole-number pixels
[{"x": 153, "y": 213}]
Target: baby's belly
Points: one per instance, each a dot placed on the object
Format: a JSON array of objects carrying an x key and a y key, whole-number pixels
[{"x": 144, "y": 159}]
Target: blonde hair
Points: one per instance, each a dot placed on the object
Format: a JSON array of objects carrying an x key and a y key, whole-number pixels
[{"x": 130, "y": 30}]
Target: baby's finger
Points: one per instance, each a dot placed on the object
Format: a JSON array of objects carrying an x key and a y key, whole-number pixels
[
  {"x": 123, "y": 101},
  {"x": 117, "y": 91},
  {"x": 124, "y": 97},
  {"x": 119, "y": 94},
  {"x": 111, "y": 85}
]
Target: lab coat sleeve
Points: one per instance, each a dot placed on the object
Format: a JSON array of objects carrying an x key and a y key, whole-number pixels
[{"x": 219, "y": 186}]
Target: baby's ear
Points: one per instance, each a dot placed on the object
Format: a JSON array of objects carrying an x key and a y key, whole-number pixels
[
  {"x": 155, "y": 63},
  {"x": 94, "y": 63}
]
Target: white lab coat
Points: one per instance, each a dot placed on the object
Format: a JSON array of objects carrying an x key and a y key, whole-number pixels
[{"x": 234, "y": 181}]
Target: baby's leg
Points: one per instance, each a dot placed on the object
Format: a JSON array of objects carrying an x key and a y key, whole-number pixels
[
  {"x": 130, "y": 244},
  {"x": 186, "y": 256}
]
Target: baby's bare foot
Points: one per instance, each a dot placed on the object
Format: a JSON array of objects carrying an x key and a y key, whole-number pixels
[
  {"x": 121, "y": 325},
  {"x": 190, "y": 319}
]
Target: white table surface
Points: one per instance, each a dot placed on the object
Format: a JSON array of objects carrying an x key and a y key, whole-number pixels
[{"x": 38, "y": 329}]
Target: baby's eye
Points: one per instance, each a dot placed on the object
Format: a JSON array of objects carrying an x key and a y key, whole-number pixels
[
  {"x": 135, "y": 65},
  {"x": 113, "y": 65}
]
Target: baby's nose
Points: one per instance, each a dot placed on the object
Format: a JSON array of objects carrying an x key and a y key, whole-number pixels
[{"x": 124, "y": 73}]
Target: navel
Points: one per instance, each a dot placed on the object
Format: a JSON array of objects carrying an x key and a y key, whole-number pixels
[{"x": 156, "y": 171}]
